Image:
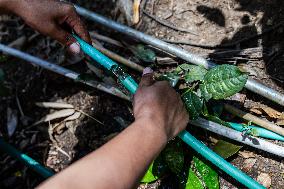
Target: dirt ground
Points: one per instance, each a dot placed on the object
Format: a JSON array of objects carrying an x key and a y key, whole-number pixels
[{"x": 232, "y": 26}]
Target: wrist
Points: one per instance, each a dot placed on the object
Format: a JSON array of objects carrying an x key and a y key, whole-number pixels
[{"x": 153, "y": 127}]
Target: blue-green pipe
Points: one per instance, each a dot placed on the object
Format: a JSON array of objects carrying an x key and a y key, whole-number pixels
[
  {"x": 256, "y": 131},
  {"x": 28, "y": 161},
  {"x": 109, "y": 64},
  {"x": 202, "y": 149}
]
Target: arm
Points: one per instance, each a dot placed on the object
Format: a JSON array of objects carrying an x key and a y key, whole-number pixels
[
  {"x": 49, "y": 17},
  {"x": 159, "y": 116}
]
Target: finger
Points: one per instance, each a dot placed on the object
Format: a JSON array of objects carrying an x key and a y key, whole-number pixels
[
  {"x": 65, "y": 38},
  {"x": 147, "y": 78},
  {"x": 74, "y": 21}
]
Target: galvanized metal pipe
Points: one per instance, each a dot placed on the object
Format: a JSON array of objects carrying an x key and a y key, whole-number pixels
[
  {"x": 239, "y": 136},
  {"x": 251, "y": 84},
  {"x": 62, "y": 71}
]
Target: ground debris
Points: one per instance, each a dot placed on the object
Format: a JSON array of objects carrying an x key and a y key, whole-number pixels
[{"x": 264, "y": 179}]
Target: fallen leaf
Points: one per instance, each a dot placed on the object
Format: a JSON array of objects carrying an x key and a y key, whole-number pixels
[
  {"x": 264, "y": 179},
  {"x": 226, "y": 149},
  {"x": 56, "y": 115},
  {"x": 75, "y": 116},
  {"x": 256, "y": 111},
  {"x": 55, "y": 105},
  {"x": 249, "y": 163},
  {"x": 271, "y": 112},
  {"x": 125, "y": 7},
  {"x": 246, "y": 154},
  {"x": 12, "y": 121},
  {"x": 280, "y": 122},
  {"x": 238, "y": 97},
  {"x": 281, "y": 116},
  {"x": 136, "y": 11}
]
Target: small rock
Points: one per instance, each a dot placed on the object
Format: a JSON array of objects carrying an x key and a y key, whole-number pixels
[
  {"x": 264, "y": 179},
  {"x": 249, "y": 163}
]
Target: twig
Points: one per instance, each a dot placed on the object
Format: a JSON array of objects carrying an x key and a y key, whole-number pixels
[
  {"x": 63, "y": 152},
  {"x": 249, "y": 117},
  {"x": 105, "y": 39},
  {"x": 227, "y": 45},
  {"x": 167, "y": 24},
  {"x": 89, "y": 116},
  {"x": 119, "y": 58}
]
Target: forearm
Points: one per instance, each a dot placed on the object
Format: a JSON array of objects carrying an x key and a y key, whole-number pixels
[
  {"x": 7, "y": 6},
  {"x": 118, "y": 164}
]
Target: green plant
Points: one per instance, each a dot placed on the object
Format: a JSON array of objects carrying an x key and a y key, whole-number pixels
[{"x": 199, "y": 87}]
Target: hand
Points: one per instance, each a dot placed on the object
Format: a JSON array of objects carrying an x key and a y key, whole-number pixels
[
  {"x": 159, "y": 103},
  {"x": 49, "y": 18}
]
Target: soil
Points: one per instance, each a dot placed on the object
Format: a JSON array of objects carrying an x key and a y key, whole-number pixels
[{"x": 220, "y": 26}]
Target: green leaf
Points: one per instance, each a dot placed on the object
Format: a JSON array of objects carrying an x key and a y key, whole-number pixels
[
  {"x": 149, "y": 175},
  {"x": 146, "y": 55},
  {"x": 155, "y": 171},
  {"x": 226, "y": 149},
  {"x": 208, "y": 175},
  {"x": 223, "y": 81},
  {"x": 192, "y": 103},
  {"x": 171, "y": 77},
  {"x": 193, "y": 181},
  {"x": 191, "y": 72},
  {"x": 174, "y": 156},
  {"x": 217, "y": 120}
]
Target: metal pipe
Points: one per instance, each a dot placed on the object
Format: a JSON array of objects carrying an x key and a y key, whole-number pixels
[
  {"x": 128, "y": 82},
  {"x": 251, "y": 84},
  {"x": 62, "y": 71},
  {"x": 239, "y": 136}
]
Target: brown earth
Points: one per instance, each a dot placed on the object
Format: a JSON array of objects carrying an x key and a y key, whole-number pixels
[{"x": 220, "y": 26}]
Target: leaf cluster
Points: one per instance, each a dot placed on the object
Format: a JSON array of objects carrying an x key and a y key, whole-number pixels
[{"x": 199, "y": 87}]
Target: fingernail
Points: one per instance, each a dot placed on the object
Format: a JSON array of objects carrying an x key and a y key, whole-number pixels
[
  {"x": 75, "y": 48},
  {"x": 147, "y": 70}
]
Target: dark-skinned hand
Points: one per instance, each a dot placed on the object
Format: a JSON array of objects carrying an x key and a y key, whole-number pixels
[
  {"x": 160, "y": 103},
  {"x": 50, "y": 17}
]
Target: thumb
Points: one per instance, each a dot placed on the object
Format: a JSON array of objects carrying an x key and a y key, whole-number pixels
[
  {"x": 65, "y": 38},
  {"x": 147, "y": 78}
]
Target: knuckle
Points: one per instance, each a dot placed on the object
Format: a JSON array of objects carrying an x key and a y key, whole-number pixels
[{"x": 69, "y": 8}]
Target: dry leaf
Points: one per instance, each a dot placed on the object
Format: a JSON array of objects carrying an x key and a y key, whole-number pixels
[
  {"x": 55, "y": 105},
  {"x": 264, "y": 179},
  {"x": 12, "y": 121},
  {"x": 271, "y": 112},
  {"x": 256, "y": 111},
  {"x": 280, "y": 122},
  {"x": 246, "y": 154},
  {"x": 56, "y": 115},
  {"x": 75, "y": 116},
  {"x": 281, "y": 116},
  {"x": 136, "y": 11},
  {"x": 125, "y": 7}
]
